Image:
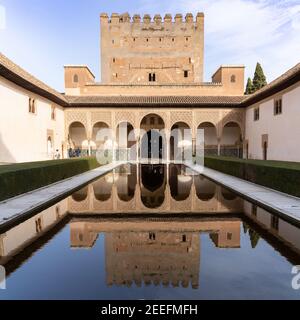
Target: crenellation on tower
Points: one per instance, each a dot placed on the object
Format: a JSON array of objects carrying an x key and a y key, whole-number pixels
[
  {"x": 189, "y": 18},
  {"x": 147, "y": 19},
  {"x": 168, "y": 18},
  {"x": 136, "y": 18},
  {"x": 157, "y": 19},
  {"x": 178, "y": 18},
  {"x": 166, "y": 50}
]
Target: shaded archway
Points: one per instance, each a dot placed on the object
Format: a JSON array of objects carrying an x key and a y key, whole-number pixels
[
  {"x": 78, "y": 138},
  {"x": 98, "y": 140},
  {"x": 181, "y": 142},
  {"x": 210, "y": 138},
  {"x": 205, "y": 188},
  {"x": 152, "y": 143},
  {"x": 125, "y": 141},
  {"x": 231, "y": 141}
]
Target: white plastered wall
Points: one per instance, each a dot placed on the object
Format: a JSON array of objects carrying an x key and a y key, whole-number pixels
[
  {"x": 283, "y": 130},
  {"x": 23, "y": 136}
]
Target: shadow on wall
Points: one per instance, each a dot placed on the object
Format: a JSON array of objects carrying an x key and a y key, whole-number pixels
[{"x": 5, "y": 155}]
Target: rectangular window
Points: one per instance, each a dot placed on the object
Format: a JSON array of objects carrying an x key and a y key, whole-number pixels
[
  {"x": 256, "y": 114},
  {"x": 254, "y": 210},
  {"x": 229, "y": 236},
  {"x": 277, "y": 106},
  {"x": 186, "y": 73},
  {"x": 38, "y": 225},
  {"x": 275, "y": 223},
  {"x": 152, "y": 77}
]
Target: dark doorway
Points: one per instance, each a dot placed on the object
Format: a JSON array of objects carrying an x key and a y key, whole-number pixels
[
  {"x": 152, "y": 145},
  {"x": 265, "y": 151}
]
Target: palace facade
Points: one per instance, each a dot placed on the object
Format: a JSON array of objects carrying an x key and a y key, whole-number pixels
[{"x": 152, "y": 79}]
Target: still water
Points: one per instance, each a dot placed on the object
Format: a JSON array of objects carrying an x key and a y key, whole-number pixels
[{"x": 151, "y": 232}]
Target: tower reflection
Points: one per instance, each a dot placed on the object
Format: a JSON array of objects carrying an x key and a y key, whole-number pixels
[{"x": 153, "y": 250}]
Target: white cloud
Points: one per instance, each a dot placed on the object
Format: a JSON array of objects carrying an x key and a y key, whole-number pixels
[
  {"x": 2, "y": 18},
  {"x": 245, "y": 31}
]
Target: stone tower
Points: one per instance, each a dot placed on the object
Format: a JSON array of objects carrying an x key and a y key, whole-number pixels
[{"x": 152, "y": 51}]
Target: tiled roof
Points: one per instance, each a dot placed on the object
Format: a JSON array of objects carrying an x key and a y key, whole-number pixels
[
  {"x": 90, "y": 101},
  {"x": 284, "y": 81},
  {"x": 19, "y": 76}
]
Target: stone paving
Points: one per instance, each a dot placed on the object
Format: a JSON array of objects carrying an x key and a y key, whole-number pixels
[
  {"x": 25, "y": 204},
  {"x": 286, "y": 206}
]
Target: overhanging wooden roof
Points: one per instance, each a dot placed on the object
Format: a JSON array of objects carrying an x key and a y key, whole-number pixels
[
  {"x": 286, "y": 80},
  {"x": 22, "y": 78}
]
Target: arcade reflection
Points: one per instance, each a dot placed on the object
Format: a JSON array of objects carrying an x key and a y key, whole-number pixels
[
  {"x": 152, "y": 249},
  {"x": 160, "y": 189}
]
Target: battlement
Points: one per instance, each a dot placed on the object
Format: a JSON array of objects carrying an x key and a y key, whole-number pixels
[
  {"x": 116, "y": 18},
  {"x": 142, "y": 49}
]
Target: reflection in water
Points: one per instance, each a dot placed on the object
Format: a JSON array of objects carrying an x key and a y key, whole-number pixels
[
  {"x": 153, "y": 182},
  {"x": 228, "y": 195},
  {"x": 126, "y": 184},
  {"x": 156, "y": 188},
  {"x": 154, "y": 251},
  {"x": 205, "y": 189},
  {"x": 80, "y": 195},
  {"x": 103, "y": 186},
  {"x": 180, "y": 182},
  {"x": 129, "y": 256}
]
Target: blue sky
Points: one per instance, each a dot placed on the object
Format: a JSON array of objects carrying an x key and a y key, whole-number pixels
[{"x": 43, "y": 35}]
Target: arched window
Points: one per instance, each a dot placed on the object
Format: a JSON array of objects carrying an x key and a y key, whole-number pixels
[
  {"x": 75, "y": 78},
  {"x": 233, "y": 78},
  {"x": 49, "y": 146},
  {"x": 53, "y": 113},
  {"x": 32, "y": 105}
]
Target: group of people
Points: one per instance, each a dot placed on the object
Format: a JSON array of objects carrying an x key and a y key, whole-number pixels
[{"x": 76, "y": 153}]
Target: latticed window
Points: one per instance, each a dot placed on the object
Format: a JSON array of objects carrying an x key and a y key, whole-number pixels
[{"x": 75, "y": 78}]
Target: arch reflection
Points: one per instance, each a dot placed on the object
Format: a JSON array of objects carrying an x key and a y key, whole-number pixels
[
  {"x": 153, "y": 183},
  {"x": 180, "y": 182},
  {"x": 80, "y": 195},
  {"x": 205, "y": 188},
  {"x": 126, "y": 183},
  {"x": 103, "y": 187}
]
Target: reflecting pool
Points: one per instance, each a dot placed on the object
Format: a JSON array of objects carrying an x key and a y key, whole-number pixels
[{"x": 151, "y": 232}]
